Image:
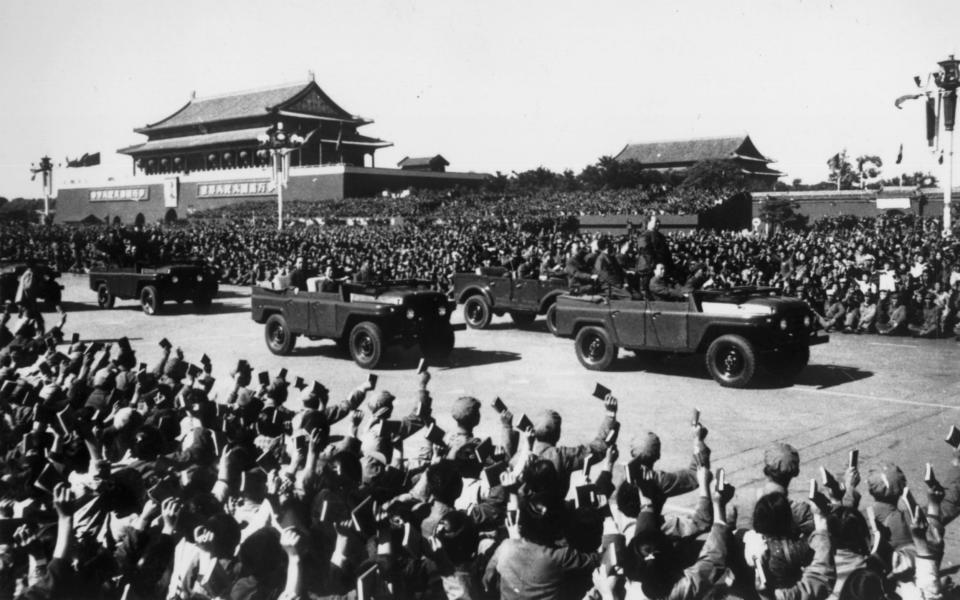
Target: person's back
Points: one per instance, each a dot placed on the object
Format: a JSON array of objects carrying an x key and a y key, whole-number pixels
[{"x": 531, "y": 571}]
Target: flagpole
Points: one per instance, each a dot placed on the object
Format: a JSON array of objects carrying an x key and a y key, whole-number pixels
[{"x": 948, "y": 187}]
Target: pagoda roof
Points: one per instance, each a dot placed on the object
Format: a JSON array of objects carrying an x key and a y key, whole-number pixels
[
  {"x": 302, "y": 98},
  {"x": 692, "y": 150},
  {"x": 422, "y": 161},
  {"x": 191, "y": 142},
  {"x": 355, "y": 139}
]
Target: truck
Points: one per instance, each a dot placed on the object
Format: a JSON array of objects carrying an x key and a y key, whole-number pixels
[
  {"x": 738, "y": 330},
  {"x": 495, "y": 291},
  {"x": 152, "y": 285},
  {"x": 362, "y": 318}
]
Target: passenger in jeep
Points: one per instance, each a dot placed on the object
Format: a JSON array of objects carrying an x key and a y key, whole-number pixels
[{"x": 662, "y": 289}]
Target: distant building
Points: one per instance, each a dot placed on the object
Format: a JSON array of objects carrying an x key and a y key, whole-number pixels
[
  {"x": 221, "y": 132},
  {"x": 208, "y": 154},
  {"x": 437, "y": 164},
  {"x": 679, "y": 155},
  {"x": 892, "y": 200}
]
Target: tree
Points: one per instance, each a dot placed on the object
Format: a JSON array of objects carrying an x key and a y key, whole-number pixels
[
  {"x": 781, "y": 212},
  {"x": 842, "y": 173},
  {"x": 868, "y": 167}
]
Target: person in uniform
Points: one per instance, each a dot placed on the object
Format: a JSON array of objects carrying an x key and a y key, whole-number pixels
[
  {"x": 652, "y": 248},
  {"x": 661, "y": 289},
  {"x": 577, "y": 270}
]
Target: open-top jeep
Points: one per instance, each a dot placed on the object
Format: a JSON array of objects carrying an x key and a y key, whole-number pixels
[
  {"x": 48, "y": 288},
  {"x": 494, "y": 291},
  {"x": 154, "y": 285},
  {"x": 362, "y": 318},
  {"x": 737, "y": 329}
]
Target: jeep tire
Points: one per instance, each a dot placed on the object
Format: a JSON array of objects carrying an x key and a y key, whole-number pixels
[
  {"x": 150, "y": 300},
  {"x": 476, "y": 312},
  {"x": 595, "y": 350},
  {"x": 731, "y": 361},
  {"x": 366, "y": 344},
  {"x": 552, "y": 318},
  {"x": 104, "y": 298},
  {"x": 277, "y": 335}
]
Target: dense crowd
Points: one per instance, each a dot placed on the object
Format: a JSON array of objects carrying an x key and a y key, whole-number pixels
[
  {"x": 888, "y": 275},
  {"x": 122, "y": 479}
]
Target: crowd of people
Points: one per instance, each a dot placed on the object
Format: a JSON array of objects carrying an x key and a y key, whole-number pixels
[
  {"x": 126, "y": 476},
  {"x": 887, "y": 275}
]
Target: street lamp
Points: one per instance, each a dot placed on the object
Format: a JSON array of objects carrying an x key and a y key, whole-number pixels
[
  {"x": 46, "y": 170},
  {"x": 276, "y": 141},
  {"x": 948, "y": 80}
]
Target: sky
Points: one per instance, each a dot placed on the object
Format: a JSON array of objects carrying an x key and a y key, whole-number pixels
[{"x": 493, "y": 85}]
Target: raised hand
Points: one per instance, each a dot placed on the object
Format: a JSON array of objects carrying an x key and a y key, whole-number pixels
[
  {"x": 170, "y": 511},
  {"x": 63, "y": 501},
  {"x": 290, "y": 540}
]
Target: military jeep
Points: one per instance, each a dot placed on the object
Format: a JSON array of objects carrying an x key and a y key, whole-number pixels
[
  {"x": 737, "y": 330},
  {"x": 494, "y": 291},
  {"x": 361, "y": 318},
  {"x": 153, "y": 285}
]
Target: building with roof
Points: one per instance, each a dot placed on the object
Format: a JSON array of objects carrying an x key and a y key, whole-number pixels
[
  {"x": 437, "y": 164},
  {"x": 222, "y": 132},
  {"x": 679, "y": 155},
  {"x": 208, "y": 153}
]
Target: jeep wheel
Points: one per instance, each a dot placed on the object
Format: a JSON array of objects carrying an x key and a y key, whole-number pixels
[
  {"x": 437, "y": 344},
  {"x": 595, "y": 349},
  {"x": 104, "y": 298},
  {"x": 476, "y": 312},
  {"x": 277, "y": 335},
  {"x": 788, "y": 362},
  {"x": 150, "y": 300},
  {"x": 366, "y": 344},
  {"x": 523, "y": 318},
  {"x": 552, "y": 318},
  {"x": 731, "y": 361}
]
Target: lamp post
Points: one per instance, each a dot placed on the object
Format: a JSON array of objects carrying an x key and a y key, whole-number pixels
[
  {"x": 46, "y": 171},
  {"x": 280, "y": 145},
  {"x": 948, "y": 80}
]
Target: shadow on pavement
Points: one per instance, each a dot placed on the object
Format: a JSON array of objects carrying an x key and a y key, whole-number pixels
[
  {"x": 399, "y": 358},
  {"x": 693, "y": 366},
  {"x": 826, "y": 376}
]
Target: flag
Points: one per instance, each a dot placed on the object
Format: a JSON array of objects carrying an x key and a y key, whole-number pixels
[
  {"x": 940, "y": 160},
  {"x": 931, "y": 122},
  {"x": 906, "y": 97},
  {"x": 340, "y": 137},
  {"x": 900, "y": 154}
]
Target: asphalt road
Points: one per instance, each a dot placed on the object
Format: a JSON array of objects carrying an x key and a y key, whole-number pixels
[{"x": 893, "y": 398}]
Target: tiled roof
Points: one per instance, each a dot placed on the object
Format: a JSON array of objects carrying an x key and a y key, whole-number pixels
[
  {"x": 189, "y": 142},
  {"x": 240, "y": 105},
  {"x": 422, "y": 161},
  {"x": 689, "y": 151},
  {"x": 358, "y": 140}
]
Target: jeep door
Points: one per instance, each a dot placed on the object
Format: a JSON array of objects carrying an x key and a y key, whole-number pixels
[
  {"x": 525, "y": 293},
  {"x": 323, "y": 315},
  {"x": 629, "y": 322},
  {"x": 124, "y": 284},
  {"x": 666, "y": 324}
]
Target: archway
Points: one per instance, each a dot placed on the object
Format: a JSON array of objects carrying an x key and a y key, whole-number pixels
[
  {"x": 170, "y": 216},
  {"x": 138, "y": 221},
  {"x": 117, "y": 221}
]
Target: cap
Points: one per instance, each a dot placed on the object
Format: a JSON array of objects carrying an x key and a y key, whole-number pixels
[
  {"x": 886, "y": 482},
  {"x": 782, "y": 460},
  {"x": 101, "y": 377},
  {"x": 466, "y": 408},
  {"x": 384, "y": 399},
  {"x": 645, "y": 447},
  {"x": 547, "y": 424}
]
